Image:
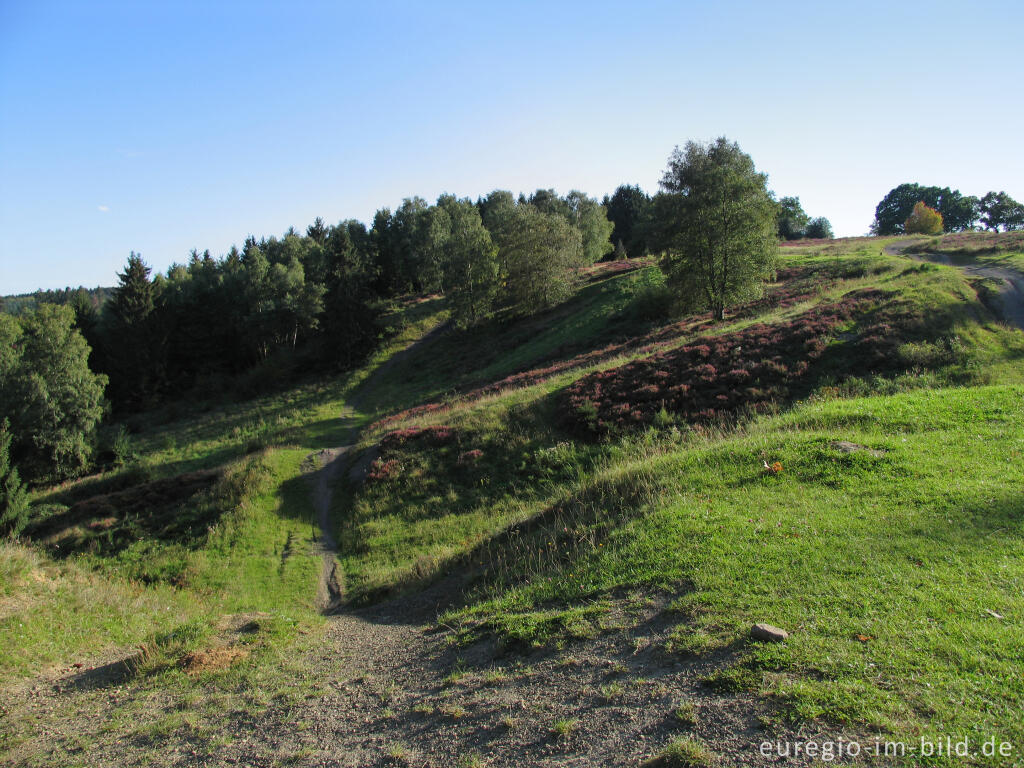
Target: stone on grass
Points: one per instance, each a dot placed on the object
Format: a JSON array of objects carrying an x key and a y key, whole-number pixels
[
  {"x": 845, "y": 446},
  {"x": 768, "y": 633}
]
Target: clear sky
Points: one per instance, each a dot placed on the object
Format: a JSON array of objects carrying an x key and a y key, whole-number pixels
[{"x": 161, "y": 127}]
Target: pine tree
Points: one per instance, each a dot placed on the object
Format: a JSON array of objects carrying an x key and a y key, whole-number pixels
[
  {"x": 132, "y": 356},
  {"x": 132, "y": 301}
]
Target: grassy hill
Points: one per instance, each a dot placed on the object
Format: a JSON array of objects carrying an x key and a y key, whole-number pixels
[{"x": 842, "y": 462}]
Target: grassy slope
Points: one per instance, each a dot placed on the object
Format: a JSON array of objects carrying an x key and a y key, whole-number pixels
[
  {"x": 434, "y": 509},
  {"x": 73, "y": 610},
  {"x": 932, "y": 525},
  {"x": 882, "y": 566},
  {"x": 1001, "y": 249},
  {"x": 907, "y": 549}
]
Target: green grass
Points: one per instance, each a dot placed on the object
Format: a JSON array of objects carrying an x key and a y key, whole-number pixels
[
  {"x": 565, "y": 727},
  {"x": 59, "y": 612},
  {"x": 683, "y": 753},
  {"x": 907, "y": 549}
]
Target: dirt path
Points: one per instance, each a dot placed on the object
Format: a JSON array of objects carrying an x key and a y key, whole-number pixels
[
  {"x": 1011, "y": 289},
  {"x": 329, "y": 465},
  {"x": 330, "y": 590},
  {"x": 397, "y": 692}
]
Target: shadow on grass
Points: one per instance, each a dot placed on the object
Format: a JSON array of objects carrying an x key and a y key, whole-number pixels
[
  {"x": 463, "y": 359},
  {"x": 552, "y": 539}
]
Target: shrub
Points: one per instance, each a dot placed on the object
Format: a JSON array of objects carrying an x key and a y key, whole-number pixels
[
  {"x": 123, "y": 448},
  {"x": 819, "y": 229}
]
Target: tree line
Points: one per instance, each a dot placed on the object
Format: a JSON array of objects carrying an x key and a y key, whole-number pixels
[{"x": 995, "y": 211}]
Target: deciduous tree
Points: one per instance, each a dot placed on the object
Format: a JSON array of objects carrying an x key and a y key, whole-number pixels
[
  {"x": 53, "y": 400},
  {"x": 539, "y": 255},
  {"x": 462, "y": 244},
  {"x": 924, "y": 221},
  {"x": 13, "y": 496},
  {"x": 716, "y": 223},
  {"x": 1000, "y": 211},
  {"x": 819, "y": 228},
  {"x": 791, "y": 219},
  {"x": 959, "y": 212}
]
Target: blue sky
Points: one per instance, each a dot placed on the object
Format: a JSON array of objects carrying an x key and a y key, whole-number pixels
[{"x": 161, "y": 127}]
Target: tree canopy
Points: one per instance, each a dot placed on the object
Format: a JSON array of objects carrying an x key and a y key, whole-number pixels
[
  {"x": 538, "y": 254},
  {"x": 53, "y": 400},
  {"x": 716, "y": 222},
  {"x": 469, "y": 256},
  {"x": 792, "y": 220},
  {"x": 1000, "y": 211},
  {"x": 959, "y": 212},
  {"x": 819, "y": 228},
  {"x": 628, "y": 210},
  {"x": 923, "y": 220}
]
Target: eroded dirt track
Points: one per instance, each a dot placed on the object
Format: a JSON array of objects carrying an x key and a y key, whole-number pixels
[
  {"x": 1011, "y": 283},
  {"x": 397, "y": 692}
]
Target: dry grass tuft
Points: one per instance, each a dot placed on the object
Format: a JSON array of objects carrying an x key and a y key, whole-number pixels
[{"x": 211, "y": 659}]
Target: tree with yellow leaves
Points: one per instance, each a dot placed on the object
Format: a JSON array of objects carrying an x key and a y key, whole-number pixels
[{"x": 923, "y": 220}]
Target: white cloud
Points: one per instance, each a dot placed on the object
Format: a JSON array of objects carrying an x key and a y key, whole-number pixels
[{"x": 103, "y": 208}]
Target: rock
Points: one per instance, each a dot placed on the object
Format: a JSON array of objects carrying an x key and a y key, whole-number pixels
[
  {"x": 844, "y": 446},
  {"x": 768, "y": 633}
]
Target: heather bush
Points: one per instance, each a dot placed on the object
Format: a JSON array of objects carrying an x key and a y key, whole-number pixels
[{"x": 724, "y": 375}]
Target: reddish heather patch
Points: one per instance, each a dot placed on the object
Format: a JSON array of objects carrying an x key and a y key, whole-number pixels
[
  {"x": 418, "y": 410},
  {"x": 382, "y": 470},
  {"x": 604, "y": 269},
  {"x": 471, "y": 457},
  {"x": 717, "y": 377},
  {"x": 386, "y": 467},
  {"x": 438, "y": 435}
]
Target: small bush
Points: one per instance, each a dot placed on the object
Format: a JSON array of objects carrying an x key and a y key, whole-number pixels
[
  {"x": 946, "y": 351},
  {"x": 123, "y": 448}
]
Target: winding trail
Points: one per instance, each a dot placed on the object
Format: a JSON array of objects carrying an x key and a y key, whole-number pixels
[
  {"x": 1011, "y": 289},
  {"x": 329, "y": 591},
  {"x": 331, "y": 462}
]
